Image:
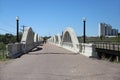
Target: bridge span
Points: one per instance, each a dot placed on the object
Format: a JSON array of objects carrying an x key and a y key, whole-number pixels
[
  {"x": 50, "y": 62},
  {"x": 68, "y": 40}
]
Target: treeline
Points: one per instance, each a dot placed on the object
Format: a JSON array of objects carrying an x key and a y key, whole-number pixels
[
  {"x": 9, "y": 38},
  {"x": 99, "y": 39}
]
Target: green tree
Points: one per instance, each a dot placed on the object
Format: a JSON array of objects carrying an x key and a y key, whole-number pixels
[{"x": 8, "y": 38}]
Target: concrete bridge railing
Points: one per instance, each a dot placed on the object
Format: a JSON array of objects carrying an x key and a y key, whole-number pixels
[
  {"x": 88, "y": 49},
  {"x": 15, "y": 49},
  {"x": 69, "y": 41},
  {"x": 70, "y": 46},
  {"x": 29, "y": 41}
]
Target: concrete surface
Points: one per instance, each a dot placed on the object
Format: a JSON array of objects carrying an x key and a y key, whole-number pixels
[{"x": 49, "y": 63}]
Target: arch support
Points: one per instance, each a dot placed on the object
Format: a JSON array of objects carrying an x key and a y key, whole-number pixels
[
  {"x": 28, "y": 36},
  {"x": 69, "y": 40},
  {"x": 28, "y": 39},
  {"x": 58, "y": 39}
]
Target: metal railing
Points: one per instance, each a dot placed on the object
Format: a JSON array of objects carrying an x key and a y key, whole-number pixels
[{"x": 108, "y": 46}]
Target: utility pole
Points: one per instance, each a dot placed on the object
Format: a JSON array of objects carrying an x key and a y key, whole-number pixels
[{"x": 17, "y": 24}]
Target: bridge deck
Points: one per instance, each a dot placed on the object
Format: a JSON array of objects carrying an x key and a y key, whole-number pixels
[
  {"x": 50, "y": 49},
  {"x": 54, "y": 66}
]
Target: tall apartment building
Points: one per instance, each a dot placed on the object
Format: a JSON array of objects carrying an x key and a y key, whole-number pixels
[{"x": 106, "y": 30}]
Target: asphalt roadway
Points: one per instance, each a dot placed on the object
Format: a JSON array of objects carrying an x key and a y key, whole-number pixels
[{"x": 50, "y": 62}]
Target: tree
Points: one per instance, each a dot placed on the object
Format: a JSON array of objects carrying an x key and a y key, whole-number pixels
[{"x": 7, "y": 38}]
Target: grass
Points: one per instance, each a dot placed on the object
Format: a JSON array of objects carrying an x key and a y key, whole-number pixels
[
  {"x": 98, "y": 39},
  {"x": 3, "y": 52}
]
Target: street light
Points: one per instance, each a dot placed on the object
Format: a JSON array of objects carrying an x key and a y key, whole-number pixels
[
  {"x": 84, "y": 35},
  {"x": 17, "y": 24}
]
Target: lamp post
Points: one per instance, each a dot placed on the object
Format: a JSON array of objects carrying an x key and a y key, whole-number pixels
[
  {"x": 84, "y": 32},
  {"x": 17, "y": 24}
]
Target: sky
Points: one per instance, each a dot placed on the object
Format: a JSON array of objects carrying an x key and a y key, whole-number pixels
[{"x": 49, "y": 17}]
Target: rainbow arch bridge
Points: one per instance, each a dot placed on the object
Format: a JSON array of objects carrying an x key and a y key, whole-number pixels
[{"x": 69, "y": 41}]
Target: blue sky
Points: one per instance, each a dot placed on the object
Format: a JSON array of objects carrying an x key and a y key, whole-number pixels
[{"x": 49, "y": 17}]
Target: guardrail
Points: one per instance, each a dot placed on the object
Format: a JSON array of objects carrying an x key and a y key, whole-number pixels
[
  {"x": 108, "y": 46},
  {"x": 108, "y": 50}
]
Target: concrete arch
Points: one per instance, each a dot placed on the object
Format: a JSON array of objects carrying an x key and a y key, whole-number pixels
[
  {"x": 36, "y": 37},
  {"x": 69, "y": 38},
  {"x": 57, "y": 39},
  {"x": 40, "y": 39},
  {"x": 28, "y": 36},
  {"x": 53, "y": 39}
]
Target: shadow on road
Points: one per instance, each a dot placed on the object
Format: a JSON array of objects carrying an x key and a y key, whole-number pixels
[
  {"x": 33, "y": 50},
  {"x": 36, "y": 49}
]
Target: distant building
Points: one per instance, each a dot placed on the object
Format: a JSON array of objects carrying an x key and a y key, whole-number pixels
[
  {"x": 106, "y": 30},
  {"x": 114, "y": 32},
  {"x": 118, "y": 34}
]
